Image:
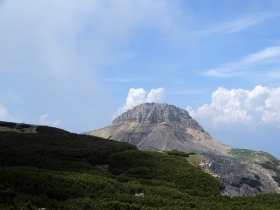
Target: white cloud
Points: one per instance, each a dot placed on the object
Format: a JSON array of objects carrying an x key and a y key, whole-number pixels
[
  {"x": 174, "y": 91},
  {"x": 118, "y": 80},
  {"x": 139, "y": 96},
  {"x": 239, "y": 24},
  {"x": 45, "y": 121},
  {"x": 4, "y": 114},
  {"x": 155, "y": 95},
  {"x": 78, "y": 34},
  {"x": 70, "y": 42},
  {"x": 266, "y": 59},
  {"x": 259, "y": 106}
]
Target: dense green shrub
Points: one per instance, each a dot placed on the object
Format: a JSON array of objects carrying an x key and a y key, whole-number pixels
[
  {"x": 7, "y": 124},
  {"x": 268, "y": 165},
  {"x": 252, "y": 183},
  {"x": 56, "y": 149},
  {"x": 178, "y": 153},
  {"x": 23, "y": 125},
  {"x": 157, "y": 166}
]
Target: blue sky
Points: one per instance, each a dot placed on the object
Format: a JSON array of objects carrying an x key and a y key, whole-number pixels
[{"x": 77, "y": 64}]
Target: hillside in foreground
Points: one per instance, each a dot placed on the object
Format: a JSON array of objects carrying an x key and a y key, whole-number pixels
[{"x": 44, "y": 167}]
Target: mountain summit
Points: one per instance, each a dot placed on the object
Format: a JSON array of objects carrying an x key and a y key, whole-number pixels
[
  {"x": 159, "y": 127},
  {"x": 157, "y": 113}
]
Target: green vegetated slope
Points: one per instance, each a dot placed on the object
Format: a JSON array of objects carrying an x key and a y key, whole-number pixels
[
  {"x": 264, "y": 159},
  {"x": 54, "y": 169},
  {"x": 17, "y": 127},
  {"x": 245, "y": 154}
]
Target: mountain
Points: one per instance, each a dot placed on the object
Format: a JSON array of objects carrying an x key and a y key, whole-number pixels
[
  {"x": 48, "y": 168},
  {"x": 163, "y": 127},
  {"x": 160, "y": 127}
]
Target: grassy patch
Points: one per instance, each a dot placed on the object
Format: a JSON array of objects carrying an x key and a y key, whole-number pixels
[
  {"x": 242, "y": 153},
  {"x": 17, "y": 127},
  {"x": 196, "y": 159}
]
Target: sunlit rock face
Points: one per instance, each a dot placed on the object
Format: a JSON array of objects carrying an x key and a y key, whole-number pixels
[
  {"x": 159, "y": 127},
  {"x": 152, "y": 113}
]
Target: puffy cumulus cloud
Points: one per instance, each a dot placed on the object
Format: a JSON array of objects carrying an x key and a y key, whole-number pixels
[
  {"x": 44, "y": 120},
  {"x": 259, "y": 106},
  {"x": 4, "y": 114},
  {"x": 155, "y": 95},
  {"x": 139, "y": 96}
]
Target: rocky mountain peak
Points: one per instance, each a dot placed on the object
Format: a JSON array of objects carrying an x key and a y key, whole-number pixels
[{"x": 157, "y": 113}]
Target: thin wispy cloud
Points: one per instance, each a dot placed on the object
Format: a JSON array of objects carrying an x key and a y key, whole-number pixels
[
  {"x": 4, "y": 113},
  {"x": 238, "y": 25},
  {"x": 264, "y": 60},
  {"x": 275, "y": 74},
  {"x": 44, "y": 120},
  {"x": 119, "y": 80},
  {"x": 184, "y": 92}
]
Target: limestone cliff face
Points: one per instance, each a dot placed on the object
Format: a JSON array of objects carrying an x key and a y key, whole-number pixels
[
  {"x": 152, "y": 113},
  {"x": 159, "y": 127}
]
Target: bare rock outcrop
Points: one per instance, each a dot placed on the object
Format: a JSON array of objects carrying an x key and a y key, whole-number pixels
[
  {"x": 158, "y": 127},
  {"x": 152, "y": 113}
]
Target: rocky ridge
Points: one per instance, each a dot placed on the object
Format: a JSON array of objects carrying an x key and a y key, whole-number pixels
[
  {"x": 160, "y": 127},
  {"x": 152, "y": 113}
]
